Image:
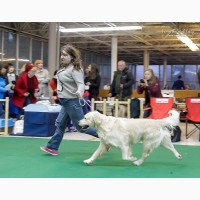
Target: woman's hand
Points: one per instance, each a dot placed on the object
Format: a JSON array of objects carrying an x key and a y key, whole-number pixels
[
  {"x": 26, "y": 94},
  {"x": 88, "y": 83}
]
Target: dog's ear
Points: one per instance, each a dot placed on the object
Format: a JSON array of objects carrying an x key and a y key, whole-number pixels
[{"x": 97, "y": 117}]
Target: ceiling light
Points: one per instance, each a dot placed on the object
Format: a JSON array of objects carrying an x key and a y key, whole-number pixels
[
  {"x": 99, "y": 29},
  {"x": 13, "y": 59},
  {"x": 185, "y": 39}
]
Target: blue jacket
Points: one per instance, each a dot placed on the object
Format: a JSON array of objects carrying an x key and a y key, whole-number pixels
[{"x": 3, "y": 89}]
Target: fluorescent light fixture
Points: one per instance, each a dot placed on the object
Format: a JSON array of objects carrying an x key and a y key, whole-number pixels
[
  {"x": 13, "y": 59},
  {"x": 99, "y": 29},
  {"x": 185, "y": 39}
]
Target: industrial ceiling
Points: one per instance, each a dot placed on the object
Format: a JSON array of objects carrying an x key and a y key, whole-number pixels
[{"x": 158, "y": 38}]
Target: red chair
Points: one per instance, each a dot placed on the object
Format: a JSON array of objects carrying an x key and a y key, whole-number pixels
[
  {"x": 193, "y": 115},
  {"x": 160, "y": 107}
]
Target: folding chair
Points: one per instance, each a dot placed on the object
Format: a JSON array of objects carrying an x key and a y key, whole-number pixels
[
  {"x": 193, "y": 115},
  {"x": 160, "y": 107}
]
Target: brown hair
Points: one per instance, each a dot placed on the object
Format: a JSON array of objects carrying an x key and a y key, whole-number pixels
[
  {"x": 37, "y": 62},
  {"x": 153, "y": 78},
  {"x": 94, "y": 71},
  {"x": 75, "y": 54}
]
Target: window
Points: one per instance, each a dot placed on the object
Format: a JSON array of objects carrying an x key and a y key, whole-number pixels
[
  {"x": 24, "y": 51},
  {"x": 9, "y": 48},
  {"x": 190, "y": 76},
  {"x": 45, "y": 55},
  {"x": 36, "y": 50}
]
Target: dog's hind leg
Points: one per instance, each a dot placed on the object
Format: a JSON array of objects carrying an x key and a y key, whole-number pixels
[
  {"x": 99, "y": 152},
  {"x": 166, "y": 142}
]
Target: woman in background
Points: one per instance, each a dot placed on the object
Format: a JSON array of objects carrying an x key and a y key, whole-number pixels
[
  {"x": 150, "y": 85},
  {"x": 43, "y": 79},
  {"x": 93, "y": 81},
  {"x": 25, "y": 88}
]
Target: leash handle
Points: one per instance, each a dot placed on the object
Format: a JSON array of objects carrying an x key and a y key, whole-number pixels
[{"x": 84, "y": 102}]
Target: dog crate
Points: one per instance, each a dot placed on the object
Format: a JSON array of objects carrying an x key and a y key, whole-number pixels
[{"x": 39, "y": 120}]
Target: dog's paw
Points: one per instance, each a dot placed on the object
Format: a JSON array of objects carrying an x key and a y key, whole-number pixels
[
  {"x": 132, "y": 158},
  {"x": 137, "y": 162},
  {"x": 179, "y": 157},
  {"x": 88, "y": 161}
]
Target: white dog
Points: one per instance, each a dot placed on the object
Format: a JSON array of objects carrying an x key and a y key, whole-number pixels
[{"x": 123, "y": 133}]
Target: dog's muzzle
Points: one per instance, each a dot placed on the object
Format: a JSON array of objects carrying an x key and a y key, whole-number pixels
[{"x": 85, "y": 127}]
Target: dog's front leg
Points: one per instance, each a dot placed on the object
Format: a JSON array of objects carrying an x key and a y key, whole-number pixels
[
  {"x": 127, "y": 153},
  {"x": 99, "y": 152}
]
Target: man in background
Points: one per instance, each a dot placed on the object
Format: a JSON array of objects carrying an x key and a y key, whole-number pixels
[
  {"x": 178, "y": 84},
  {"x": 121, "y": 86}
]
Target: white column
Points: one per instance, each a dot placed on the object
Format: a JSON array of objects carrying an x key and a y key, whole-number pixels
[
  {"x": 165, "y": 72},
  {"x": 53, "y": 48},
  {"x": 146, "y": 59},
  {"x": 113, "y": 56}
]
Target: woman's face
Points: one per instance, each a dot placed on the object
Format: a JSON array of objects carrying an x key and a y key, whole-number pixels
[
  {"x": 40, "y": 65},
  {"x": 11, "y": 69},
  {"x": 65, "y": 58},
  {"x": 89, "y": 68},
  {"x": 31, "y": 73},
  {"x": 147, "y": 75}
]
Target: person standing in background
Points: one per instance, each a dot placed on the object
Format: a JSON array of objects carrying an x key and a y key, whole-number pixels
[
  {"x": 53, "y": 85},
  {"x": 3, "y": 90},
  {"x": 150, "y": 85},
  {"x": 25, "y": 88},
  {"x": 178, "y": 84},
  {"x": 121, "y": 86},
  {"x": 12, "y": 78},
  {"x": 93, "y": 81},
  {"x": 43, "y": 79}
]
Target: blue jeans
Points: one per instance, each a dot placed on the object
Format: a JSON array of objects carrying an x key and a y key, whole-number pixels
[
  {"x": 21, "y": 110},
  {"x": 71, "y": 109},
  {"x": 1, "y": 110}
]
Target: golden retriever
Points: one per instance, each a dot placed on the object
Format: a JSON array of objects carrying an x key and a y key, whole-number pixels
[{"x": 123, "y": 133}]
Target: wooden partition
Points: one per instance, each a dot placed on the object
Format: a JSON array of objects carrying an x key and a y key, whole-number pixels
[
  {"x": 116, "y": 102},
  {"x": 177, "y": 93},
  {"x": 6, "y": 100},
  {"x": 186, "y": 93}
]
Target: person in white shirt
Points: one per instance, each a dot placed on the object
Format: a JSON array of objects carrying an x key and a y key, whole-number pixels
[
  {"x": 11, "y": 77},
  {"x": 43, "y": 79}
]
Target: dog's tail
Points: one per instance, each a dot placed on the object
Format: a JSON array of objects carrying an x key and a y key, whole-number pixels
[{"x": 172, "y": 120}]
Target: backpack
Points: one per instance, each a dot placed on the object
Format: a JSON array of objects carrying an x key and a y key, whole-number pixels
[
  {"x": 135, "y": 108},
  {"x": 176, "y": 136}
]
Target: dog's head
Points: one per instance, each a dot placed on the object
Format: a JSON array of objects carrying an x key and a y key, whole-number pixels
[{"x": 91, "y": 119}]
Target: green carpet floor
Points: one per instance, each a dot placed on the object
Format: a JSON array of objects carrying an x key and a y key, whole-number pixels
[{"x": 22, "y": 158}]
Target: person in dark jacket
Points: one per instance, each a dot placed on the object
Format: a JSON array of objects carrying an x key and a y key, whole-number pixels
[
  {"x": 178, "y": 84},
  {"x": 93, "y": 81},
  {"x": 121, "y": 86},
  {"x": 150, "y": 85}
]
